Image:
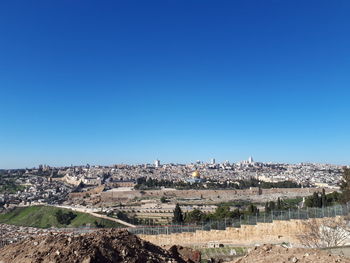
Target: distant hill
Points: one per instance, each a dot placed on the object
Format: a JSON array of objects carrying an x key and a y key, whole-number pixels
[{"x": 45, "y": 217}]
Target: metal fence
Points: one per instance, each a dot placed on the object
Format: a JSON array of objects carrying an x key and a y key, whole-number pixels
[{"x": 301, "y": 214}]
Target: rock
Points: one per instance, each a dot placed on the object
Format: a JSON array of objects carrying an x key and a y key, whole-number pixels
[{"x": 87, "y": 260}]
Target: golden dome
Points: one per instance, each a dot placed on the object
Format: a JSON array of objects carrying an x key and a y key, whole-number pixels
[{"x": 195, "y": 174}]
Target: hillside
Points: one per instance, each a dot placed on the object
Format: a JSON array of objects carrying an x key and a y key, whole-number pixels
[{"x": 45, "y": 217}]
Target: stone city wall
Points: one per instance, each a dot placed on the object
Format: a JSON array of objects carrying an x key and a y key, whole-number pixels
[
  {"x": 93, "y": 191},
  {"x": 221, "y": 195}
]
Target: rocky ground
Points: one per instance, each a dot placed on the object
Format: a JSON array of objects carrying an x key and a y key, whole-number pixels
[
  {"x": 11, "y": 232},
  {"x": 107, "y": 246},
  {"x": 278, "y": 254},
  {"x": 112, "y": 246}
]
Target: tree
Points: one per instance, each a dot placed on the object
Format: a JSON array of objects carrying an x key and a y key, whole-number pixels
[
  {"x": 267, "y": 207},
  {"x": 321, "y": 233},
  {"x": 314, "y": 201},
  {"x": 236, "y": 213},
  {"x": 279, "y": 204},
  {"x": 270, "y": 206},
  {"x": 178, "y": 216},
  {"x": 323, "y": 198},
  {"x": 64, "y": 218},
  {"x": 195, "y": 216},
  {"x": 99, "y": 224},
  {"x": 252, "y": 210},
  {"x": 333, "y": 198},
  {"x": 345, "y": 185},
  {"x": 123, "y": 216},
  {"x": 163, "y": 199},
  {"x": 222, "y": 211}
]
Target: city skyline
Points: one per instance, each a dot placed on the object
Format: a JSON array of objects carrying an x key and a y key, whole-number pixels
[
  {"x": 159, "y": 163},
  {"x": 120, "y": 82}
]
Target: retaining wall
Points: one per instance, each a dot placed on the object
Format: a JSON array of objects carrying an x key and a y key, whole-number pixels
[{"x": 276, "y": 232}]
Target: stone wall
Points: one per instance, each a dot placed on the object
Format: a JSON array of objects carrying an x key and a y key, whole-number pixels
[
  {"x": 94, "y": 191},
  {"x": 217, "y": 195},
  {"x": 276, "y": 232}
]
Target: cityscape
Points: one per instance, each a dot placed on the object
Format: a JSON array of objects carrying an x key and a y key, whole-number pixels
[
  {"x": 132, "y": 196},
  {"x": 174, "y": 131},
  {"x": 51, "y": 185}
]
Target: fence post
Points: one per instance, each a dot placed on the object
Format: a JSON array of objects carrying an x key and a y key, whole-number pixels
[
  {"x": 323, "y": 211},
  {"x": 289, "y": 214},
  {"x": 327, "y": 212}
]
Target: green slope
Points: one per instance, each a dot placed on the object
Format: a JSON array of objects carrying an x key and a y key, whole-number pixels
[{"x": 44, "y": 217}]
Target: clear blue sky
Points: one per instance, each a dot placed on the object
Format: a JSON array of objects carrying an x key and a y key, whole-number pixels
[{"x": 106, "y": 82}]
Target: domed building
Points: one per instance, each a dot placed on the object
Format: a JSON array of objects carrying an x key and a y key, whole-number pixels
[
  {"x": 195, "y": 174},
  {"x": 196, "y": 178}
]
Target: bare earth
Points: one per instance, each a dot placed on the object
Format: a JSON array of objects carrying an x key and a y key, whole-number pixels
[
  {"x": 107, "y": 246},
  {"x": 278, "y": 254}
]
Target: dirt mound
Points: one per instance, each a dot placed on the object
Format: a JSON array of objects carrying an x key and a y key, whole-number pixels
[
  {"x": 278, "y": 254},
  {"x": 188, "y": 254},
  {"x": 105, "y": 246}
]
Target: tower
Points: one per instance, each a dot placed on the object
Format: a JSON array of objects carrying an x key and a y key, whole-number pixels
[{"x": 157, "y": 163}]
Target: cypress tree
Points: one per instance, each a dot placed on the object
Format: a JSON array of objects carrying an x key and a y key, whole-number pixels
[
  {"x": 323, "y": 198},
  {"x": 316, "y": 200},
  {"x": 178, "y": 216},
  {"x": 279, "y": 204},
  {"x": 267, "y": 207}
]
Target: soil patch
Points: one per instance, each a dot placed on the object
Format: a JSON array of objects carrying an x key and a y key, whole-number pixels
[
  {"x": 107, "y": 246},
  {"x": 279, "y": 254}
]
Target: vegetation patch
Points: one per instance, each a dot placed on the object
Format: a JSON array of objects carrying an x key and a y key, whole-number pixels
[{"x": 47, "y": 216}]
